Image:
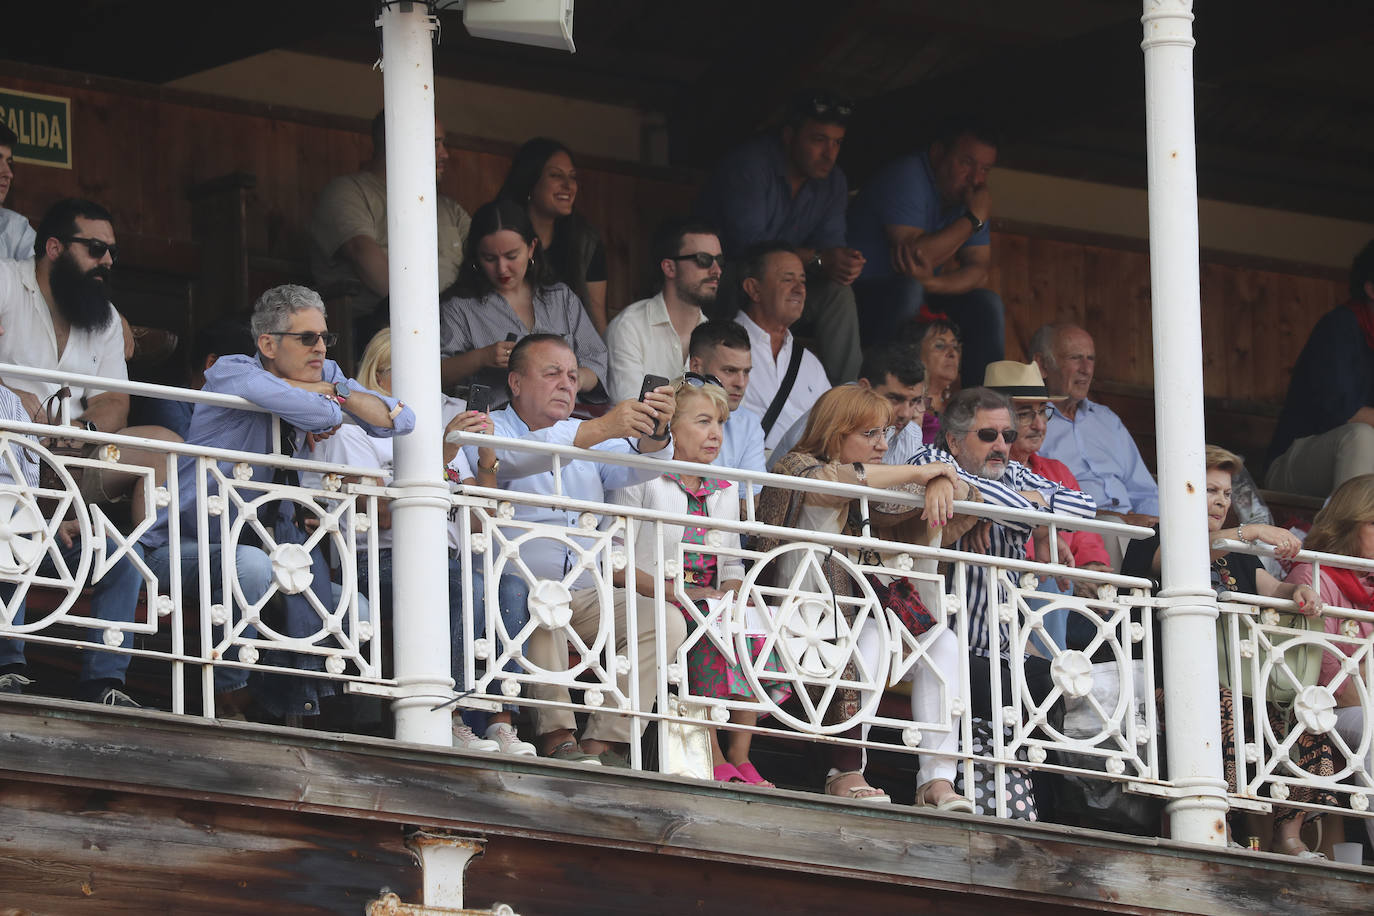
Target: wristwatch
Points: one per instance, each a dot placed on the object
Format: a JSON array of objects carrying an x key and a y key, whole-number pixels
[
  {"x": 495, "y": 466},
  {"x": 978, "y": 224},
  {"x": 342, "y": 391},
  {"x": 860, "y": 472},
  {"x": 816, "y": 263},
  {"x": 89, "y": 426}
]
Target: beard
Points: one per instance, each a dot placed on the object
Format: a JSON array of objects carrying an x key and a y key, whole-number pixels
[
  {"x": 991, "y": 471},
  {"x": 698, "y": 296},
  {"x": 82, "y": 299}
]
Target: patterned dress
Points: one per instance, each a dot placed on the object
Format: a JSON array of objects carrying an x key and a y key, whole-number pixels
[{"x": 708, "y": 673}]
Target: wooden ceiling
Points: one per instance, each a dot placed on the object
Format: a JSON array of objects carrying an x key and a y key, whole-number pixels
[{"x": 1285, "y": 93}]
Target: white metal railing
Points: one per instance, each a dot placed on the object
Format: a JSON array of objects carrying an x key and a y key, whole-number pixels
[{"x": 791, "y": 633}]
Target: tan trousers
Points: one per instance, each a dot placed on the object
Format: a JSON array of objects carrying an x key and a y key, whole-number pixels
[
  {"x": 549, "y": 650},
  {"x": 1316, "y": 465}
]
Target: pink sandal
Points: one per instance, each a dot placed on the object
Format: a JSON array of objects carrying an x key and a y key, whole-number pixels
[
  {"x": 728, "y": 772},
  {"x": 751, "y": 775}
]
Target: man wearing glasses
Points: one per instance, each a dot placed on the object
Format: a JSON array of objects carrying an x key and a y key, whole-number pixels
[
  {"x": 785, "y": 186},
  {"x": 652, "y": 336},
  {"x": 308, "y": 397}
]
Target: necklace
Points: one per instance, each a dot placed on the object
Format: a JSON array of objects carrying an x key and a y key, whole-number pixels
[{"x": 1228, "y": 579}]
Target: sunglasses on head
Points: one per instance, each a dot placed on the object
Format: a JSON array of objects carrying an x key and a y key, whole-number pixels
[
  {"x": 96, "y": 247},
  {"x": 988, "y": 434},
  {"x": 702, "y": 259},
  {"x": 822, "y": 105},
  {"x": 308, "y": 338},
  {"x": 697, "y": 380}
]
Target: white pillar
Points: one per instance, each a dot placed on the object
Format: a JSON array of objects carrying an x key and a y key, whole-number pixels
[
  {"x": 1189, "y": 624},
  {"x": 420, "y": 633}
]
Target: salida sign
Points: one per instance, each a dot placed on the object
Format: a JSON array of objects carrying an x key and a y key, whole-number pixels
[{"x": 43, "y": 124}]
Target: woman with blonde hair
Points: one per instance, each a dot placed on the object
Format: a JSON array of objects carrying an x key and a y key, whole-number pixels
[
  {"x": 698, "y": 428},
  {"x": 845, "y": 438}
]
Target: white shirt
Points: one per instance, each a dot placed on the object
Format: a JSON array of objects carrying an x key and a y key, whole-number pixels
[
  {"x": 767, "y": 377},
  {"x": 16, "y": 236},
  {"x": 29, "y": 339},
  {"x": 643, "y": 341},
  {"x": 353, "y": 446},
  {"x": 664, "y": 495}
]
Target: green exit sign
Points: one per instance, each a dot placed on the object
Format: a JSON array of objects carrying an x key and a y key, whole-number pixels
[{"x": 43, "y": 124}]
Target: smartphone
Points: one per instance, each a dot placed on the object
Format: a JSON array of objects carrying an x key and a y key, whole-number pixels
[
  {"x": 650, "y": 383},
  {"x": 512, "y": 337},
  {"x": 479, "y": 398}
]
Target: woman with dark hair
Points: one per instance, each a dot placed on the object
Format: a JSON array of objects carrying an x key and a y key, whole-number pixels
[
  {"x": 543, "y": 179},
  {"x": 505, "y": 291}
]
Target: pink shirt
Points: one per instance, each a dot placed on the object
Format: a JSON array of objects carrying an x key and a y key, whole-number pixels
[
  {"x": 1332, "y": 595},
  {"x": 1085, "y": 546}
]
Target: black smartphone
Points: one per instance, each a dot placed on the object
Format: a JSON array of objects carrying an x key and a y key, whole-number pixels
[
  {"x": 650, "y": 383},
  {"x": 512, "y": 337},
  {"x": 479, "y": 398}
]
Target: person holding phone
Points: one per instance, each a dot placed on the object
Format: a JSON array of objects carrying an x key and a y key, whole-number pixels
[
  {"x": 505, "y": 288},
  {"x": 352, "y": 446}
]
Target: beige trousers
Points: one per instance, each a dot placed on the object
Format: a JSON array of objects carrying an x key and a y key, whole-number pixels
[{"x": 549, "y": 650}]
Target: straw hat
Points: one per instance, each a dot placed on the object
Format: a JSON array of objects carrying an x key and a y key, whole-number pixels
[{"x": 1018, "y": 381}]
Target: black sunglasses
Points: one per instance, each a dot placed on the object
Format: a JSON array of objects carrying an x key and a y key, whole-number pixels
[
  {"x": 97, "y": 248},
  {"x": 822, "y": 105},
  {"x": 702, "y": 259},
  {"x": 697, "y": 380},
  {"x": 988, "y": 434},
  {"x": 308, "y": 338}
]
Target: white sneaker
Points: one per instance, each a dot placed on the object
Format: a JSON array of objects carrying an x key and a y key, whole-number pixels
[
  {"x": 508, "y": 741},
  {"x": 466, "y": 739}
]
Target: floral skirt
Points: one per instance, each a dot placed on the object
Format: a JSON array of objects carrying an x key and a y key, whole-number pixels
[{"x": 710, "y": 675}]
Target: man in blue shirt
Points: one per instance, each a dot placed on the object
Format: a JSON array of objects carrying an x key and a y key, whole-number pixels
[
  {"x": 786, "y": 187},
  {"x": 290, "y": 377},
  {"x": 564, "y": 594},
  {"x": 1325, "y": 435},
  {"x": 922, "y": 226},
  {"x": 721, "y": 349},
  {"x": 1089, "y": 437}
]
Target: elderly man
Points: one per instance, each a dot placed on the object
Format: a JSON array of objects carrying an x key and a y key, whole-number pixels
[
  {"x": 721, "y": 350},
  {"x": 307, "y": 396},
  {"x": 651, "y": 336},
  {"x": 543, "y": 388},
  {"x": 1325, "y": 434},
  {"x": 56, "y": 314},
  {"x": 786, "y": 379},
  {"x": 786, "y": 186},
  {"x": 922, "y": 225},
  {"x": 1089, "y": 438},
  {"x": 348, "y": 235}
]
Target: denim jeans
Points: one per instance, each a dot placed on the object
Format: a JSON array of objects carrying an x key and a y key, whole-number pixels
[
  {"x": 511, "y": 592},
  {"x": 887, "y": 303},
  {"x": 115, "y": 601}
]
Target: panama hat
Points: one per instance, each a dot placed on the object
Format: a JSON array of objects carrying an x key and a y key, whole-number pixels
[{"x": 1018, "y": 381}]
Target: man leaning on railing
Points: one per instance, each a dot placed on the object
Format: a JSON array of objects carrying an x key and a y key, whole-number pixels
[
  {"x": 310, "y": 396},
  {"x": 543, "y": 388}
]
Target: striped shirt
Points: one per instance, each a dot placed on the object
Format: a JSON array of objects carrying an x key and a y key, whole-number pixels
[
  {"x": 12, "y": 409},
  {"x": 1008, "y": 538}
]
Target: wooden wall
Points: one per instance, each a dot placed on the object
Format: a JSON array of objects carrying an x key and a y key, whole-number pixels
[{"x": 140, "y": 149}]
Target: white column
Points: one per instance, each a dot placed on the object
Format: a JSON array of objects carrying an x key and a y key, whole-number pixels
[
  {"x": 1189, "y": 622},
  {"x": 419, "y": 517}
]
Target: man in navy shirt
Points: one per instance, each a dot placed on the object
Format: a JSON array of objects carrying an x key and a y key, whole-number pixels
[
  {"x": 786, "y": 187},
  {"x": 1325, "y": 434},
  {"x": 922, "y": 226}
]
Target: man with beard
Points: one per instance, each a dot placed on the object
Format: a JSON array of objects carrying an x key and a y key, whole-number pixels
[
  {"x": 56, "y": 315},
  {"x": 652, "y": 336},
  {"x": 348, "y": 236}
]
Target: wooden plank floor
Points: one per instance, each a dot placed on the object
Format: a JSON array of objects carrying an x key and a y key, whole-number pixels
[{"x": 139, "y": 811}]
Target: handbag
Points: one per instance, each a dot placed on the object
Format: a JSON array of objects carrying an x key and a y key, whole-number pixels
[
  {"x": 900, "y": 597},
  {"x": 1304, "y": 659}
]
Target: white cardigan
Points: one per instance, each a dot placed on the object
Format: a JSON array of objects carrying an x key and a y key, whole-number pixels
[{"x": 664, "y": 495}]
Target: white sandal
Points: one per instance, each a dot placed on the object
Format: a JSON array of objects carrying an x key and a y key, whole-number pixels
[{"x": 862, "y": 793}]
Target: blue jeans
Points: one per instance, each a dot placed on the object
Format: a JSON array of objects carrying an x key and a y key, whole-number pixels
[
  {"x": 511, "y": 592},
  {"x": 115, "y": 601},
  {"x": 253, "y": 570},
  {"x": 887, "y": 303}
]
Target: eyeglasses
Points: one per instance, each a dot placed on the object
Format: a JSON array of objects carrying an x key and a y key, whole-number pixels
[
  {"x": 884, "y": 431},
  {"x": 822, "y": 105},
  {"x": 308, "y": 338},
  {"x": 988, "y": 434},
  {"x": 1028, "y": 413},
  {"x": 97, "y": 248},
  {"x": 697, "y": 380},
  {"x": 702, "y": 259}
]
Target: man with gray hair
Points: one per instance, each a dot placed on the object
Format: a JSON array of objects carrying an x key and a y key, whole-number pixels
[{"x": 308, "y": 396}]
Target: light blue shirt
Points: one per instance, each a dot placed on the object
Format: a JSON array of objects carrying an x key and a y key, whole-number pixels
[
  {"x": 742, "y": 447},
  {"x": 16, "y": 237},
  {"x": 1102, "y": 455},
  {"x": 529, "y": 472}
]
